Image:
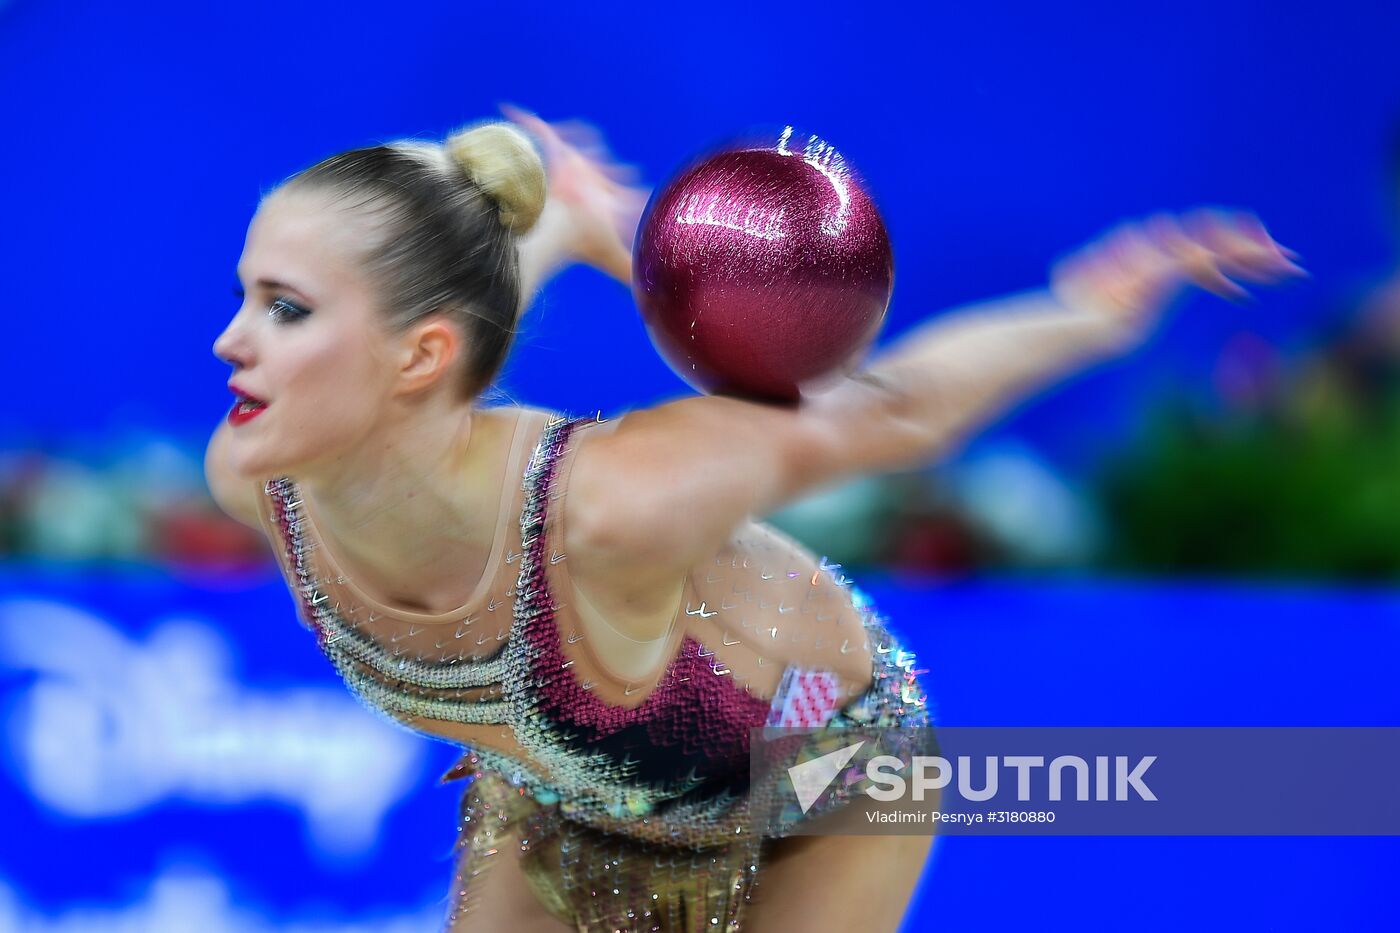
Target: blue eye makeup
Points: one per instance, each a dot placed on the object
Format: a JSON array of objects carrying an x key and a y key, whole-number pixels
[
  {"x": 285, "y": 310},
  {"x": 282, "y": 309}
]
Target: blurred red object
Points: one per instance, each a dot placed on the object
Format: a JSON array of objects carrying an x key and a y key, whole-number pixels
[
  {"x": 936, "y": 544},
  {"x": 196, "y": 534}
]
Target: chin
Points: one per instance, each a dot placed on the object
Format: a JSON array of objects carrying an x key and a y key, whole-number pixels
[
  {"x": 296, "y": 443},
  {"x": 259, "y": 461},
  {"x": 304, "y": 455}
]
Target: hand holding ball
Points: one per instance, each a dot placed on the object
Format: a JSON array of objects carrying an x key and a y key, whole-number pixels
[{"x": 761, "y": 269}]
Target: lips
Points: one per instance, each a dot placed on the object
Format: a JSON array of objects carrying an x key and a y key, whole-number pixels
[{"x": 245, "y": 407}]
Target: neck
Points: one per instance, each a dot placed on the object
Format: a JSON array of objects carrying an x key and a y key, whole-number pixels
[{"x": 411, "y": 512}]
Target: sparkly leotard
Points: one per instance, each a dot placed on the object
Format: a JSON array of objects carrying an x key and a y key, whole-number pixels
[{"x": 628, "y": 801}]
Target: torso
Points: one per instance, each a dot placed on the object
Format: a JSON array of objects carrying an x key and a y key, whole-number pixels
[{"x": 761, "y": 603}]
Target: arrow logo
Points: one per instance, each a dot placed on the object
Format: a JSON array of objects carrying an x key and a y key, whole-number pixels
[{"x": 811, "y": 778}]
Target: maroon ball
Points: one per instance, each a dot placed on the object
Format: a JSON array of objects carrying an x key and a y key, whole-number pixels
[{"x": 759, "y": 270}]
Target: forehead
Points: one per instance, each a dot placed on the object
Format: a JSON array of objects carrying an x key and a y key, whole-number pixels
[{"x": 303, "y": 237}]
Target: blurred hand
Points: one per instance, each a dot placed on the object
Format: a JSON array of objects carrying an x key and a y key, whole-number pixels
[
  {"x": 600, "y": 197},
  {"x": 1135, "y": 270}
]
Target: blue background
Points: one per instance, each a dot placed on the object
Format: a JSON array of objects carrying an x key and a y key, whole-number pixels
[
  {"x": 998, "y": 652},
  {"x": 995, "y": 137}
]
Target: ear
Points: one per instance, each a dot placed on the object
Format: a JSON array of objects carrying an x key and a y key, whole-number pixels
[{"x": 428, "y": 351}]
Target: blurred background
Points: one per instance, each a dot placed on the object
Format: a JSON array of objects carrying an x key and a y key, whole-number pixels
[{"x": 1200, "y": 534}]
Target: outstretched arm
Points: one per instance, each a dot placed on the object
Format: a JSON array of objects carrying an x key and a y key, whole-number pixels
[
  {"x": 590, "y": 213},
  {"x": 953, "y": 374},
  {"x": 672, "y": 482},
  {"x": 958, "y": 371}
]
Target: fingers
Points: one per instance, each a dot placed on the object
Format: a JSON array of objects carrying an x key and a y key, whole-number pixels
[
  {"x": 1216, "y": 250},
  {"x": 584, "y": 137},
  {"x": 531, "y": 123},
  {"x": 574, "y": 135},
  {"x": 553, "y": 146},
  {"x": 1134, "y": 270},
  {"x": 1193, "y": 259},
  {"x": 600, "y": 197},
  {"x": 557, "y": 140},
  {"x": 1241, "y": 245},
  {"x": 575, "y": 146}
]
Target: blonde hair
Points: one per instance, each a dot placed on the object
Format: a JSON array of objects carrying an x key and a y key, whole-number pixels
[
  {"x": 501, "y": 161},
  {"x": 447, "y": 217}
]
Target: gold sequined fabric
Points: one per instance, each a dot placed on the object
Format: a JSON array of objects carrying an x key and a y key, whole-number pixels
[{"x": 592, "y": 880}]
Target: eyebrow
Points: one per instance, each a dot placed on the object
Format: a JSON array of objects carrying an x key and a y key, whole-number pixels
[{"x": 273, "y": 285}]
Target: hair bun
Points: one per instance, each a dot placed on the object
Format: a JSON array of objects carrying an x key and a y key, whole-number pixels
[{"x": 503, "y": 162}]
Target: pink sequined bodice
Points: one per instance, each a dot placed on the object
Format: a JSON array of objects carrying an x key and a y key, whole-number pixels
[
  {"x": 520, "y": 662},
  {"x": 693, "y": 726}
]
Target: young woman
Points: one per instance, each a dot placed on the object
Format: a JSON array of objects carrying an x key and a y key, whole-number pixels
[{"x": 603, "y": 653}]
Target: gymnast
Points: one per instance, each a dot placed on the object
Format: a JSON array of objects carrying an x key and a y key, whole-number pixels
[{"x": 590, "y": 607}]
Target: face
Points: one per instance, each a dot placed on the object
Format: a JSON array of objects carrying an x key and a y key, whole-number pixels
[{"x": 307, "y": 341}]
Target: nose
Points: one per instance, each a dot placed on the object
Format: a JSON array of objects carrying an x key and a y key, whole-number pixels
[{"x": 231, "y": 347}]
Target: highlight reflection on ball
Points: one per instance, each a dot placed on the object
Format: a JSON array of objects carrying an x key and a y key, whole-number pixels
[{"x": 760, "y": 269}]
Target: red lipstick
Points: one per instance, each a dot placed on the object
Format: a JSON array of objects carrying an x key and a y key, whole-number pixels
[{"x": 245, "y": 407}]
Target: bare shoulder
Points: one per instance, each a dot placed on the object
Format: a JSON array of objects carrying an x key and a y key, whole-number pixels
[
  {"x": 853, "y": 426},
  {"x": 659, "y": 449},
  {"x": 664, "y": 487}
]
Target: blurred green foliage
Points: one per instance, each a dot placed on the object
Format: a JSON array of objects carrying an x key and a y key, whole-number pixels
[{"x": 1304, "y": 485}]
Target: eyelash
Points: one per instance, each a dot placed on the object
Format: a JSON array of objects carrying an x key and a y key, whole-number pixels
[{"x": 282, "y": 309}]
